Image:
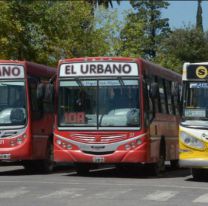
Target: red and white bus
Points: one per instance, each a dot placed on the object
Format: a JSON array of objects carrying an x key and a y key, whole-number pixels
[
  {"x": 116, "y": 110},
  {"x": 26, "y": 114}
]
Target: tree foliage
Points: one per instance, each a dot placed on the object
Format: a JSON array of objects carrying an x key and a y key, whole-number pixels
[
  {"x": 199, "y": 24},
  {"x": 132, "y": 38},
  {"x": 183, "y": 45},
  {"x": 154, "y": 26},
  {"x": 48, "y": 31},
  {"x": 105, "y": 3}
]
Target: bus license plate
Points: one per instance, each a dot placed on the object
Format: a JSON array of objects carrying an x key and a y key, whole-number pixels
[
  {"x": 5, "y": 156},
  {"x": 98, "y": 159}
]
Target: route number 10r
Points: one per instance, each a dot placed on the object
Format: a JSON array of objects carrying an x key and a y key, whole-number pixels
[{"x": 74, "y": 117}]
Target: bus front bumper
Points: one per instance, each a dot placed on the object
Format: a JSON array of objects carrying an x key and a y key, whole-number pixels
[{"x": 194, "y": 163}]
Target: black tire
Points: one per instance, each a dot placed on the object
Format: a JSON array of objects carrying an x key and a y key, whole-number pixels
[
  {"x": 41, "y": 166},
  {"x": 82, "y": 168},
  {"x": 199, "y": 174},
  {"x": 48, "y": 164},
  {"x": 155, "y": 169},
  {"x": 30, "y": 166},
  {"x": 174, "y": 164}
]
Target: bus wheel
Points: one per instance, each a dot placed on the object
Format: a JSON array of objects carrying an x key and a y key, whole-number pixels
[
  {"x": 174, "y": 164},
  {"x": 198, "y": 174},
  {"x": 48, "y": 164},
  {"x": 156, "y": 168},
  {"x": 82, "y": 168},
  {"x": 30, "y": 166}
]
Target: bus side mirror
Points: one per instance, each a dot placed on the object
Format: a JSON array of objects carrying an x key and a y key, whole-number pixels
[
  {"x": 40, "y": 91},
  {"x": 154, "y": 88}
]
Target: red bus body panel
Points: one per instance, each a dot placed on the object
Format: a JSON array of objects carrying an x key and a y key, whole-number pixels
[
  {"x": 36, "y": 133},
  {"x": 147, "y": 151}
]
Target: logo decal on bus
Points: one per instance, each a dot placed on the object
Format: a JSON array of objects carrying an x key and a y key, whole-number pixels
[{"x": 201, "y": 72}]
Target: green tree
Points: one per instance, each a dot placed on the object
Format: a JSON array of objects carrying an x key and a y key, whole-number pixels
[
  {"x": 155, "y": 27},
  {"x": 50, "y": 31},
  {"x": 109, "y": 27},
  {"x": 105, "y": 3},
  {"x": 199, "y": 24},
  {"x": 183, "y": 45},
  {"x": 131, "y": 37}
]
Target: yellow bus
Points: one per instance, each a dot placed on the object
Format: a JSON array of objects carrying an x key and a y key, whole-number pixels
[{"x": 193, "y": 130}]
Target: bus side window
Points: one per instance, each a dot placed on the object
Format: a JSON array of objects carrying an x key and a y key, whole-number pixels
[
  {"x": 171, "y": 108},
  {"x": 157, "y": 101},
  {"x": 148, "y": 108},
  {"x": 162, "y": 96},
  {"x": 48, "y": 101},
  {"x": 176, "y": 99},
  {"x": 36, "y": 105}
]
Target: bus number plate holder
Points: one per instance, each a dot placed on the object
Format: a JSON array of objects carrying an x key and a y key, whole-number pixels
[
  {"x": 98, "y": 159},
  {"x": 5, "y": 156}
]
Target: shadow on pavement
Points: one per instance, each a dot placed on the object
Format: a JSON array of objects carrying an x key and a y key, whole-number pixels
[
  {"x": 13, "y": 169},
  {"x": 132, "y": 172}
]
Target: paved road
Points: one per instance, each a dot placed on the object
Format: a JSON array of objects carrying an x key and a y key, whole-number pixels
[{"x": 103, "y": 187}]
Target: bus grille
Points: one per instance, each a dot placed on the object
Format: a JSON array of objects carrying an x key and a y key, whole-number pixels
[{"x": 99, "y": 139}]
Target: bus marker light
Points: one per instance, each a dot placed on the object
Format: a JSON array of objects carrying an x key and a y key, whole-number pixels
[
  {"x": 133, "y": 145},
  {"x": 19, "y": 140},
  {"x": 58, "y": 142},
  {"x": 139, "y": 141},
  {"x": 13, "y": 143},
  {"x": 69, "y": 146},
  {"x": 127, "y": 147},
  {"x": 63, "y": 145}
]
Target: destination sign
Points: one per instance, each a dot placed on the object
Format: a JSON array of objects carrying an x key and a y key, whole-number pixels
[
  {"x": 197, "y": 71},
  {"x": 11, "y": 71},
  {"x": 99, "y": 69}
]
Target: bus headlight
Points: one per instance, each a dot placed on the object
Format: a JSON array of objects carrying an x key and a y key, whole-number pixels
[{"x": 191, "y": 141}]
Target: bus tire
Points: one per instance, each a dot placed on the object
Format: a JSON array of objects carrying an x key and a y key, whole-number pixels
[
  {"x": 174, "y": 164},
  {"x": 30, "y": 166},
  {"x": 47, "y": 165},
  {"x": 155, "y": 169},
  {"x": 82, "y": 168},
  {"x": 198, "y": 174}
]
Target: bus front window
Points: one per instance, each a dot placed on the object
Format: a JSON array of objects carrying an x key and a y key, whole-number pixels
[
  {"x": 99, "y": 103},
  {"x": 77, "y": 103},
  {"x": 118, "y": 103},
  {"x": 12, "y": 103},
  {"x": 195, "y": 103}
]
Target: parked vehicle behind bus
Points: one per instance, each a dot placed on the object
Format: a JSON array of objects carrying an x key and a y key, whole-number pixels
[
  {"x": 116, "y": 110},
  {"x": 26, "y": 114},
  {"x": 193, "y": 132}
]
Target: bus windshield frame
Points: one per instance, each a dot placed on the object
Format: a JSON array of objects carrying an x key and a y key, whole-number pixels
[
  {"x": 13, "y": 103},
  {"x": 102, "y": 97},
  {"x": 195, "y": 106}
]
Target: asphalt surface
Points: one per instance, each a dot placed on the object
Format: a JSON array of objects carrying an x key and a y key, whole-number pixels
[{"x": 104, "y": 186}]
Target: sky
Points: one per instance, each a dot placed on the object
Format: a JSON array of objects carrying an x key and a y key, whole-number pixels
[{"x": 180, "y": 13}]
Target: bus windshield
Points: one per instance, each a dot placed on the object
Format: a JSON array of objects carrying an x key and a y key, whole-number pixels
[
  {"x": 12, "y": 103},
  {"x": 99, "y": 103},
  {"x": 196, "y": 103}
]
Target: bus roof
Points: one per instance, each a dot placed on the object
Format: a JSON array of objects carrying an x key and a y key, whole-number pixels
[{"x": 157, "y": 70}]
